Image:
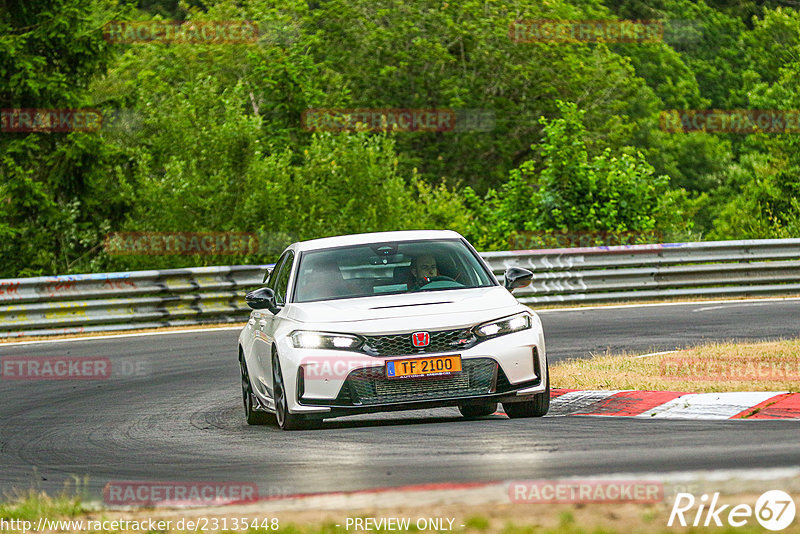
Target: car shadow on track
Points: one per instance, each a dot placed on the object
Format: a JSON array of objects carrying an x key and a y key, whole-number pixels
[{"x": 344, "y": 423}]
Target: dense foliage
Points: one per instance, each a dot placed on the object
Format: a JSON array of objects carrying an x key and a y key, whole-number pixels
[{"x": 209, "y": 137}]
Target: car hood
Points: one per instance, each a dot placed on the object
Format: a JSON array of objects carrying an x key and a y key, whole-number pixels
[{"x": 448, "y": 306}]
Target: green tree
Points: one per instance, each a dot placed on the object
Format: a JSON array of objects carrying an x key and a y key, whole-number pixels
[
  {"x": 766, "y": 182},
  {"x": 217, "y": 146},
  {"x": 58, "y": 191},
  {"x": 460, "y": 55},
  {"x": 607, "y": 192},
  {"x": 576, "y": 192},
  {"x": 707, "y": 40}
]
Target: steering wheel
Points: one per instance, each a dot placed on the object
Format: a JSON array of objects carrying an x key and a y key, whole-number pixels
[
  {"x": 440, "y": 281},
  {"x": 440, "y": 278}
]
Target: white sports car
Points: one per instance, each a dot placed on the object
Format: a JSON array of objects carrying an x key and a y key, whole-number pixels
[{"x": 389, "y": 321}]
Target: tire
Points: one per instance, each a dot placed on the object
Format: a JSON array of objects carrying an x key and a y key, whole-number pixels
[
  {"x": 252, "y": 416},
  {"x": 537, "y": 407},
  {"x": 286, "y": 420},
  {"x": 473, "y": 410}
]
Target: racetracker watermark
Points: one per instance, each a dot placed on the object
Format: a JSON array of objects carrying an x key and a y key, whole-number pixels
[
  {"x": 737, "y": 121},
  {"x": 323, "y": 368},
  {"x": 378, "y": 120},
  {"x": 729, "y": 368},
  {"x": 398, "y": 120},
  {"x": 474, "y": 120},
  {"x": 586, "y": 31},
  {"x": 55, "y": 368},
  {"x": 526, "y": 240},
  {"x": 181, "y": 243},
  {"x": 178, "y": 493},
  {"x": 191, "y": 32},
  {"x": 585, "y": 491},
  {"x": 72, "y": 368},
  {"x": 50, "y": 120}
]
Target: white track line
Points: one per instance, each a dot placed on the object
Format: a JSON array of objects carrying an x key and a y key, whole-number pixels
[
  {"x": 654, "y": 304},
  {"x": 656, "y": 354},
  {"x": 117, "y": 336}
]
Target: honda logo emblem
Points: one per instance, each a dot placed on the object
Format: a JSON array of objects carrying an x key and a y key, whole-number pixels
[{"x": 420, "y": 339}]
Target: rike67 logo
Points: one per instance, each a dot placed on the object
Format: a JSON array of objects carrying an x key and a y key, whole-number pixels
[{"x": 774, "y": 510}]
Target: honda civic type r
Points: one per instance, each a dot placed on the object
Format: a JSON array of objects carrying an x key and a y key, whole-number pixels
[{"x": 389, "y": 321}]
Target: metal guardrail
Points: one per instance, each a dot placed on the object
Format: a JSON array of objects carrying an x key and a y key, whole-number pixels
[
  {"x": 176, "y": 297},
  {"x": 658, "y": 271},
  {"x": 80, "y": 303}
]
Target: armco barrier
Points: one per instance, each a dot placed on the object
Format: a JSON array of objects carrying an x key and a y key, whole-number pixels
[
  {"x": 122, "y": 301},
  {"x": 144, "y": 299},
  {"x": 631, "y": 272}
]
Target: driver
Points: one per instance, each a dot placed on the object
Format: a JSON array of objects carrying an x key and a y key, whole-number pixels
[{"x": 423, "y": 268}]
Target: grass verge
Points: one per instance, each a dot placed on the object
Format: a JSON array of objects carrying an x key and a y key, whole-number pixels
[
  {"x": 710, "y": 368},
  {"x": 489, "y": 518},
  {"x": 31, "y": 504}
]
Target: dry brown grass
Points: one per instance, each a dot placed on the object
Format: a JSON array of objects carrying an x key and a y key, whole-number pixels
[{"x": 715, "y": 367}]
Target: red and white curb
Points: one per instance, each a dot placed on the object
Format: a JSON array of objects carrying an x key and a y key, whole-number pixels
[{"x": 676, "y": 405}]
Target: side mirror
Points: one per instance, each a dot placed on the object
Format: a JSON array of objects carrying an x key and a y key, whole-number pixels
[
  {"x": 263, "y": 298},
  {"x": 517, "y": 277}
]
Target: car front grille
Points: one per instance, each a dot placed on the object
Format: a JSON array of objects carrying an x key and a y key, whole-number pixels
[
  {"x": 370, "y": 385},
  {"x": 400, "y": 344}
]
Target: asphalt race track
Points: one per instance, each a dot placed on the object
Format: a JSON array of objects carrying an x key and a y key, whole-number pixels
[{"x": 171, "y": 411}]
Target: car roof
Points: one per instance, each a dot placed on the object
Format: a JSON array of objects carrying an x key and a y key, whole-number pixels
[{"x": 374, "y": 237}]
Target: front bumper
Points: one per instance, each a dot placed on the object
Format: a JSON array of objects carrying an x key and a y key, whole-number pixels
[
  {"x": 369, "y": 390},
  {"x": 330, "y": 383}
]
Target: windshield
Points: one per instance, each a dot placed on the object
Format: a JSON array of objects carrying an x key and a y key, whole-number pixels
[{"x": 388, "y": 268}]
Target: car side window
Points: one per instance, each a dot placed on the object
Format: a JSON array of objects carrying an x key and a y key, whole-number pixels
[
  {"x": 282, "y": 280},
  {"x": 272, "y": 277}
]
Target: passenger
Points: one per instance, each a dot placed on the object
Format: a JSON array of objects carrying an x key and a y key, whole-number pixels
[{"x": 325, "y": 281}]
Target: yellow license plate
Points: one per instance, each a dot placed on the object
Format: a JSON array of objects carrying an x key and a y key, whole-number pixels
[{"x": 416, "y": 367}]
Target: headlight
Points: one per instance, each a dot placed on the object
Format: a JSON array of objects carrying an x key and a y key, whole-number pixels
[
  {"x": 321, "y": 340},
  {"x": 508, "y": 325}
]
